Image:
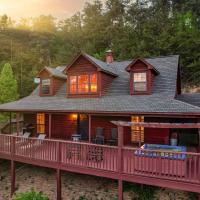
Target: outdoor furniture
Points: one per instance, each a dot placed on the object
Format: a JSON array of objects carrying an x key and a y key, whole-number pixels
[
  {"x": 76, "y": 137},
  {"x": 99, "y": 139},
  {"x": 114, "y": 136},
  {"x": 26, "y": 135}
]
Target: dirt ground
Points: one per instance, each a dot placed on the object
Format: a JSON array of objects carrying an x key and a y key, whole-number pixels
[{"x": 74, "y": 187}]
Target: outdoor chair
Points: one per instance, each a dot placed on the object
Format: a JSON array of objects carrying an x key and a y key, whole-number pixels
[
  {"x": 114, "y": 136},
  {"x": 99, "y": 139},
  {"x": 26, "y": 135}
]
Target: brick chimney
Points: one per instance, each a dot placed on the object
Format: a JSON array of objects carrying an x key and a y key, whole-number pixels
[{"x": 109, "y": 57}]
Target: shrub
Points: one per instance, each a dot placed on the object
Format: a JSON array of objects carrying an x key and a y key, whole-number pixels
[{"x": 30, "y": 195}]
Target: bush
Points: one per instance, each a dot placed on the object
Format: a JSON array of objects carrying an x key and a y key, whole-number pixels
[{"x": 31, "y": 195}]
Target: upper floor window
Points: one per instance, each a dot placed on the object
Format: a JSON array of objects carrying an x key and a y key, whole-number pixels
[
  {"x": 46, "y": 86},
  {"x": 83, "y": 84},
  {"x": 140, "y": 82}
]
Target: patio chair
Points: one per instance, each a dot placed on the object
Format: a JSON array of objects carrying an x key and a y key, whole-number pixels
[
  {"x": 26, "y": 135},
  {"x": 114, "y": 137},
  {"x": 99, "y": 139}
]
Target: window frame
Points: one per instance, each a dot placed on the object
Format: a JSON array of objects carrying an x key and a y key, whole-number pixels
[
  {"x": 50, "y": 87},
  {"x": 133, "y": 91},
  {"x": 89, "y": 75},
  {"x": 40, "y": 122}
]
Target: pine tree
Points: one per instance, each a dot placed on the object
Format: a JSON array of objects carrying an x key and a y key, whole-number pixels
[{"x": 8, "y": 85}]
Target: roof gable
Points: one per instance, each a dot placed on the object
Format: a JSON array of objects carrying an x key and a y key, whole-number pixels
[
  {"x": 100, "y": 65},
  {"x": 53, "y": 72},
  {"x": 139, "y": 60}
]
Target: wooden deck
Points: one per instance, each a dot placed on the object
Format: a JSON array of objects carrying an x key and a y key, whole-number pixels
[{"x": 162, "y": 169}]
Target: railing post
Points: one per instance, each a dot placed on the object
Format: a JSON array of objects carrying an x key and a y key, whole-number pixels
[
  {"x": 58, "y": 150},
  {"x": 12, "y": 165},
  {"x": 12, "y": 147},
  {"x": 120, "y": 160},
  {"x": 58, "y": 171}
]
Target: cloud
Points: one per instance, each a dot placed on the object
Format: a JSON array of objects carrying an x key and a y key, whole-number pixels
[{"x": 32, "y": 8}]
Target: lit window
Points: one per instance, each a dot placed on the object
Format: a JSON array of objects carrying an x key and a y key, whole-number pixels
[
  {"x": 40, "y": 123},
  {"x": 93, "y": 83},
  {"x": 140, "y": 82},
  {"x": 83, "y": 84},
  {"x": 137, "y": 133},
  {"x": 46, "y": 86},
  {"x": 73, "y": 84}
]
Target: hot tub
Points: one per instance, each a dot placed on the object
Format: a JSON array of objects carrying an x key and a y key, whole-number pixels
[{"x": 161, "y": 159}]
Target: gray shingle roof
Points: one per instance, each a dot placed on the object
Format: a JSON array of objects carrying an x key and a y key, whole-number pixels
[
  {"x": 193, "y": 99},
  {"x": 117, "y": 99},
  {"x": 56, "y": 72},
  {"x": 104, "y": 66}
]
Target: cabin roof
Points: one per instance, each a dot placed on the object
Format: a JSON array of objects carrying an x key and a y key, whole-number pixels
[
  {"x": 55, "y": 72},
  {"x": 102, "y": 66},
  {"x": 193, "y": 99},
  {"x": 118, "y": 98}
]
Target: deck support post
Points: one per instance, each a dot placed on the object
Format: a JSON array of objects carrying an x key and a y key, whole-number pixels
[
  {"x": 120, "y": 189},
  {"x": 50, "y": 124},
  {"x": 90, "y": 129},
  {"x": 59, "y": 184},
  {"x": 120, "y": 160},
  {"x": 13, "y": 175}
]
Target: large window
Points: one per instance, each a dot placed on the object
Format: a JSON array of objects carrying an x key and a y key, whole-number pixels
[
  {"x": 46, "y": 86},
  {"x": 140, "y": 82},
  {"x": 83, "y": 84},
  {"x": 40, "y": 123},
  {"x": 137, "y": 133}
]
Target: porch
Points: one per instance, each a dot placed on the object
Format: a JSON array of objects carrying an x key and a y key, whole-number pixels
[{"x": 123, "y": 161}]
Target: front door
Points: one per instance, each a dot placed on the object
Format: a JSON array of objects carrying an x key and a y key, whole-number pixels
[{"x": 84, "y": 126}]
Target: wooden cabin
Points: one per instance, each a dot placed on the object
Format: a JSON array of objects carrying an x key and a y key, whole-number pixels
[{"x": 124, "y": 120}]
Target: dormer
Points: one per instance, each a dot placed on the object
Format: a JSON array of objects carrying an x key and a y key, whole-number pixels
[
  {"x": 88, "y": 77},
  {"x": 51, "y": 79},
  {"x": 142, "y": 75}
]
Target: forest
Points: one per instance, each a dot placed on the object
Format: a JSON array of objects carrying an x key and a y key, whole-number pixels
[{"x": 131, "y": 28}]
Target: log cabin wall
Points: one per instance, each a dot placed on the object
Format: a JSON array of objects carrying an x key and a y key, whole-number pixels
[
  {"x": 105, "y": 122},
  {"x": 57, "y": 84},
  {"x": 84, "y": 66},
  {"x": 31, "y": 119},
  {"x": 156, "y": 135},
  {"x": 141, "y": 67},
  {"x": 45, "y": 75},
  {"x": 106, "y": 81}
]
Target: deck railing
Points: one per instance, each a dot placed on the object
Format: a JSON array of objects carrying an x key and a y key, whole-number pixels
[
  {"x": 183, "y": 166},
  {"x": 180, "y": 166}
]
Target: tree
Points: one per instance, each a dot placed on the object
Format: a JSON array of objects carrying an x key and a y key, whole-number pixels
[{"x": 8, "y": 85}]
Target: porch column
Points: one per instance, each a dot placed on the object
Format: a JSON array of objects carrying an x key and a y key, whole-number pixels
[
  {"x": 50, "y": 124},
  {"x": 90, "y": 129},
  {"x": 120, "y": 160},
  {"x": 78, "y": 124},
  {"x": 10, "y": 122},
  {"x": 17, "y": 123},
  {"x": 12, "y": 177},
  {"x": 59, "y": 185}
]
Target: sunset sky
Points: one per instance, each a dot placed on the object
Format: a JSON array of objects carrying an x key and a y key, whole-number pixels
[{"x": 32, "y": 8}]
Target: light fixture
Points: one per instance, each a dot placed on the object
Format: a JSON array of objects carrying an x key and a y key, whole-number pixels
[{"x": 74, "y": 116}]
